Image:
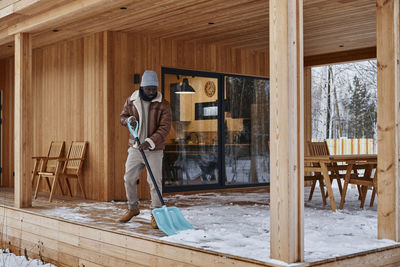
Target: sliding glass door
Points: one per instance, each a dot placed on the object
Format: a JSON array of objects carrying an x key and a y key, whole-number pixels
[
  {"x": 191, "y": 154},
  {"x": 247, "y": 127},
  {"x": 220, "y": 130}
]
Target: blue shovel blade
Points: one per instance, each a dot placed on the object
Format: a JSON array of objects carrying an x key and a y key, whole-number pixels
[{"x": 170, "y": 220}]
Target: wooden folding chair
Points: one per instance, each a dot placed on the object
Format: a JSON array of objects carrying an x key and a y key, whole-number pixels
[
  {"x": 71, "y": 168},
  {"x": 47, "y": 163},
  {"x": 321, "y": 149}
]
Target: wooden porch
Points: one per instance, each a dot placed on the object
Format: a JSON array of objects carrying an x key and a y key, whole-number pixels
[
  {"x": 78, "y": 232},
  {"x": 67, "y": 243},
  {"x": 61, "y": 60}
]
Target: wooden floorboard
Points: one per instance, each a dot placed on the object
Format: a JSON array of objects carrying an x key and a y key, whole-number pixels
[
  {"x": 102, "y": 241},
  {"x": 95, "y": 217}
]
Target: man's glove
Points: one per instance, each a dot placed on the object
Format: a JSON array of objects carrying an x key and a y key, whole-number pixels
[
  {"x": 144, "y": 146},
  {"x": 131, "y": 120}
]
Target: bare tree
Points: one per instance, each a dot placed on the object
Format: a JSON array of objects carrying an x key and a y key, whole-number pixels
[
  {"x": 331, "y": 114},
  {"x": 328, "y": 103},
  {"x": 339, "y": 121}
]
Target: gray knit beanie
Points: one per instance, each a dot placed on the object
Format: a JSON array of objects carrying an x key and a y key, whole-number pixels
[{"x": 149, "y": 78}]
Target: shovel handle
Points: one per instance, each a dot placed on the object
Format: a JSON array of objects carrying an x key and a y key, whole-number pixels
[
  {"x": 135, "y": 134},
  {"x": 150, "y": 173}
]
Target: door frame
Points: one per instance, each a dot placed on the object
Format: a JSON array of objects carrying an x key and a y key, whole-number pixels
[{"x": 221, "y": 118}]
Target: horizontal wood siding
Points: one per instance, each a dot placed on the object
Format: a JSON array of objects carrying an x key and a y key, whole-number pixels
[{"x": 80, "y": 86}]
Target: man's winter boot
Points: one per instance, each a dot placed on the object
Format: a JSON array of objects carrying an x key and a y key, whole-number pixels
[
  {"x": 153, "y": 222},
  {"x": 128, "y": 215}
]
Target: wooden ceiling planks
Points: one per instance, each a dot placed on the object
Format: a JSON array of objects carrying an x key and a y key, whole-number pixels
[{"x": 328, "y": 24}]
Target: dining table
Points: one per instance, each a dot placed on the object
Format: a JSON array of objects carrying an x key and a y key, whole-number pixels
[{"x": 347, "y": 164}]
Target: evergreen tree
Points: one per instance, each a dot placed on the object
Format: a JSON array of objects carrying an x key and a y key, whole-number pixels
[{"x": 362, "y": 111}]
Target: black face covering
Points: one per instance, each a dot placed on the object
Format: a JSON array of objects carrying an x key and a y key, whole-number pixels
[{"x": 144, "y": 97}]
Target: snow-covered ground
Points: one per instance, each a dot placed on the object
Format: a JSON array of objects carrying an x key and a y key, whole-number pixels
[
  {"x": 8, "y": 259},
  {"x": 244, "y": 230},
  {"x": 237, "y": 223}
]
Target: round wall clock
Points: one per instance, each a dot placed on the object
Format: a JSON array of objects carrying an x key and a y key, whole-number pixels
[{"x": 210, "y": 88}]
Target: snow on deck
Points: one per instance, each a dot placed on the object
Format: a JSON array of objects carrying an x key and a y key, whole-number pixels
[{"x": 237, "y": 223}]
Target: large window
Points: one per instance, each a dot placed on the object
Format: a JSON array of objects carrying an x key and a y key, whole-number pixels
[
  {"x": 208, "y": 148},
  {"x": 247, "y": 124}
]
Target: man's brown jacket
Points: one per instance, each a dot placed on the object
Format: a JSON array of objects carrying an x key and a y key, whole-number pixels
[{"x": 159, "y": 119}]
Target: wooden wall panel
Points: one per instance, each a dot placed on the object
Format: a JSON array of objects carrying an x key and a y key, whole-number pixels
[
  {"x": 93, "y": 110},
  {"x": 80, "y": 87},
  {"x": 108, "y": 115},
  {"x": 59, "y": 95},
  {"x": 307, "y": 108},
  {"x": 7, "y": 87},
  {"x": 123, "y": 83},
  {"x": 135, "y": 53}
]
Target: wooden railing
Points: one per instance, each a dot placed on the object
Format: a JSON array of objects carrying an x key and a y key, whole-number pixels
[{"x": 345, "y": 146}]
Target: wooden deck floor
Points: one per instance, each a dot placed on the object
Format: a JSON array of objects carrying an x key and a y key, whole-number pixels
[
  {"x": 105, "y": 214},
  {"x": 71, "y": 232},
  {"x": 101, "y": 217},
  {"x": 96, "y": 238}
]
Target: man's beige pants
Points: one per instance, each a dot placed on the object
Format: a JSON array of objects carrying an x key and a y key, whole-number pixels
[{"x": 133, "y": 167}]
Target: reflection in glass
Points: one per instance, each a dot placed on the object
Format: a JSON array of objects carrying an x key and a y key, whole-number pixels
[
  {"x": 191, "y": 152},
  {"x": 247, "y": 130}
]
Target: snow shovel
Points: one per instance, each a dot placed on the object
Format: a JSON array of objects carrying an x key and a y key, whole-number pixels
[{"x": 169, "y": 220}]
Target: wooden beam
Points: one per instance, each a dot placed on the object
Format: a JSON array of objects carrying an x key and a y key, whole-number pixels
[
  {"x": 70, "y": 12},
  {"x": 5, "y": 38},
  {"x": 388, "y": 56},
  {"x": 7, "y": 9},
  {"x": 64, "y": 14},
  {"x": 340, "y": 57},
  {"x": 286, "y": 130},
  {"x": 23, "y": 120}
]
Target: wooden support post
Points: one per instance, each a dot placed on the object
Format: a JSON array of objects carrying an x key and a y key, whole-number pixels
[
  {"x": 108, "y": 115},
  {"x": 307, "y": 108},
  {"x": 307, "y": 115},
  {"x": 387, "y": 29},
  {"x": 23, "y": 141},
  {"x": 287, "y": 130}
]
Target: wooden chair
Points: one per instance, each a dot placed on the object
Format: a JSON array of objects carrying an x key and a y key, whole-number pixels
[
  {"x": 318, "y": 148},
  {"x": 48, "y": 163},
  {"x": 375, "y": 188},
  {"x": 364, "y": 182},
  {"x": 71, "y": 169},
  {"x": 321, "y": 149}
]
